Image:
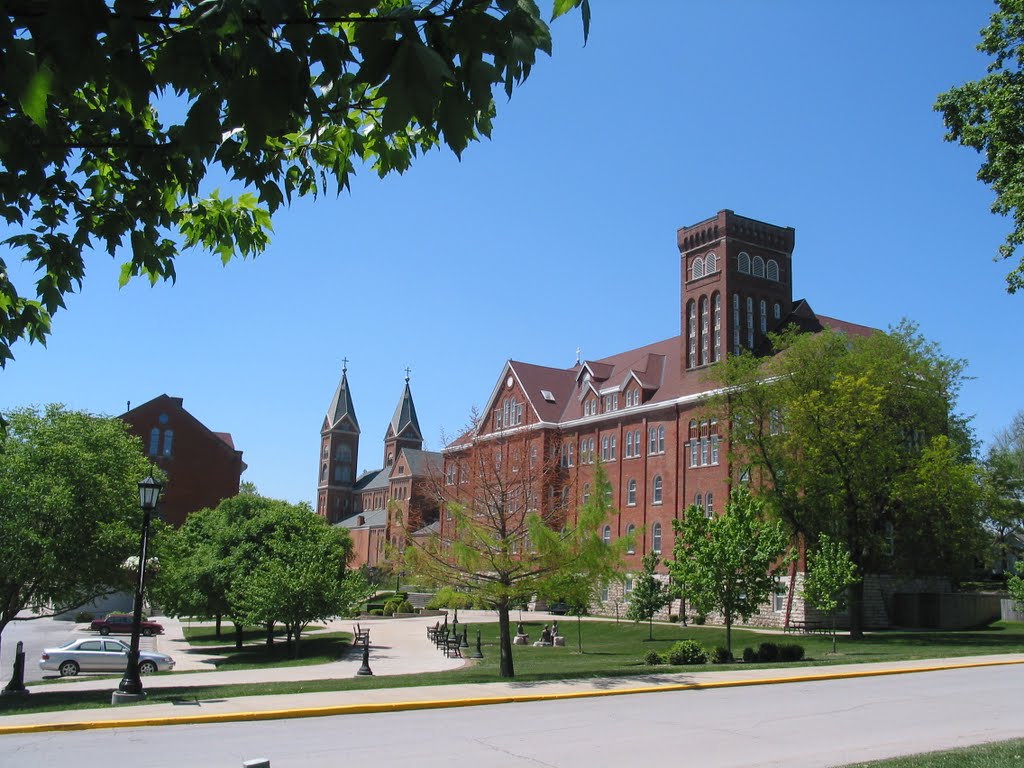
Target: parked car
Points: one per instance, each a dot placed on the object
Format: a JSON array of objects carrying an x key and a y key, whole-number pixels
[
  {"x": 122, "y": 623},
  {"x": 91, "y": 655}
]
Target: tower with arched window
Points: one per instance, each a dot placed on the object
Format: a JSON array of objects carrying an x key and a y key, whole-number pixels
[{"x": 339, "y": 454}]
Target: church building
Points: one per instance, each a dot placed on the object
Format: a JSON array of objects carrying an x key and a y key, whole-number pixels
[
  {"x": 639, "y": 411},
  {"x": 380, "y": 506}
]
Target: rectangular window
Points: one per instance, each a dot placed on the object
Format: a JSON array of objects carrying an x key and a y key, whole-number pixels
[
  {"x": 613, "y": 447},
  {"x": 693, "y": 451},
  {"x": 714, "y": 449},
  {"x": 703, "y": 451},
  {"x": 652, "y": 446}
]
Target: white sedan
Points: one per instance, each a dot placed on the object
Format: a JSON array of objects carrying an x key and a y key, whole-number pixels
[{"x": 106, "y": 655}]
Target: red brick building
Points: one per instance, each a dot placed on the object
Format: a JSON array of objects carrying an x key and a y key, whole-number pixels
[
  {"x": 639, "y": 411},
  {"x": 203, "y": 467},
  {"x": 382, "y": 505}
]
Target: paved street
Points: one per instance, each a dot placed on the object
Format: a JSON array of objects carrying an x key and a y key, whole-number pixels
[{"x": 802, "y": 725}]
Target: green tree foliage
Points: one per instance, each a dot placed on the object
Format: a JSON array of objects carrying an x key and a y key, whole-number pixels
[
  {"x": 649, "y": 595},
  {"x": 259, "y": 561},
  {"x": 69, "y": 509},
  {"x": 1015, "y": 584},
  {"x": 729, "y": 562},
  {"x": 986, "y": 115},
  {"x": 1004, "y": 492},
  {"x": 857, "y": 438},
  {"x": 98, "y": 95},
  {"x": 501, "y": 550},
  {"x": 830, "y": 572}
]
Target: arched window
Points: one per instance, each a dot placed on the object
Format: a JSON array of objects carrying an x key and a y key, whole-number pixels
[
  {"x": 704, "y": 320},
  {"x": 714, "y": 443},
  {"x": 656, "y": 537},
  {"x": 750, "y": 323},
  {"x": 637, "y": 444},
  {"x": 697, "y": 270},
  {"x": 764, "y": 316},
  {"x": 656, "y": 495},
  {"x": 698, "y": 501},
  {"x": 710, "y": 264},
  {"x": 606, "y": 534},
  {"x": 586, "y": 492},
  {"x": 772, "y": 270},
  {"x": 629, "y": 445},
  {"x": 154, "y": 441},
  {"x": 735, "y": 323},
  {"x": 661, "y": 439},
  {"x": 652, "y": 440},
  {"x": 691, "y": 315},
  {"x": 614, "y": 451},
  {"x": 743, "y": 263},
  {"x": 344, "y": 452},
  {"x": 604, "y": 448},
  {"x": 716, "y": 352},
  {"x": 323, "y": 473},
  {"x": 630, "y": 530},
  {"x": 631, "y": 493},
  {"x": 694, "y": 438},
  {"x": 709, "y": 504},
  {"x": 777, "y": 311},
  {"x": 757, "y": 268}
]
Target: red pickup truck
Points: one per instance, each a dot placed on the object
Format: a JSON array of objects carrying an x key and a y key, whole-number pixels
[{"x": 122, "y": 622}]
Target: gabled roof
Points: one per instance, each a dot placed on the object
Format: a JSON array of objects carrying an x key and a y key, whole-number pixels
[
  {"x": 341, "y": 407},
  {"x": 404, "y": 423},
  {"x": 420, "y": 463},
  {"x": 535, "y": 380},
  {"x": 374, "y": 478},
  {"x": 223, "y": 439}
]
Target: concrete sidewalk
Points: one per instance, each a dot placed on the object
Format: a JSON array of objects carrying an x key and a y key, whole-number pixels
[{"x": 400, "y": 646}]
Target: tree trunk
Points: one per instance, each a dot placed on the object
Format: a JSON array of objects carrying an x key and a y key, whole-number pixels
[
  {"x": 579, "y": 632},
  {"x": 728, "y": 632},
  {"x": 507, "y": 668},
  {"x": 833, "y": 633},
  {"x": 295, "y": 642},
  {"x": 857, "y": 608},
  {"x": 270, "y": 634},
  {"x": 239, "y": 629},
  {"x": 218, "y": 625},
  {"x": 650, "y": 627}
]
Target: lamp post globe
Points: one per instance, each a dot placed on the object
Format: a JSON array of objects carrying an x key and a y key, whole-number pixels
[{"x": 130, "y": 688}]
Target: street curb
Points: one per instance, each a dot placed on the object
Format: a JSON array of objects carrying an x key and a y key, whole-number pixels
[{"x": 402, "y": 706}]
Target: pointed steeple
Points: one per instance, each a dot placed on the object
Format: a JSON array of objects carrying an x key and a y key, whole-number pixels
[
  {"x": 341, "y": 405},
  {"x": 404, "y": 423}
]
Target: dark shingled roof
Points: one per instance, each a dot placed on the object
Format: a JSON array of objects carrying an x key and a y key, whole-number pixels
[
  {"x": 341, "y": 405},
  {"x": 405, "y": 421}
]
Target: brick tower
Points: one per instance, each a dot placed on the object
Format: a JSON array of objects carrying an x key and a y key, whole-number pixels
[{"x": 339, "y": 455}]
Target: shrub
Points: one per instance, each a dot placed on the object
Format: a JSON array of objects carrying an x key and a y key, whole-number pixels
[
  {"x": 791, "y": 652},
  {"x": 721, "y": 655},
  {"x": 699, "y": 618},
  {"x": 686, "y": 652},
  {"x": 749, "y": 655},
  {"x": 652, "y": 658},
  {"x": 376, "y": 611},
  {"x": 391, "y": 606},
  {"x": 768, "y": 652},
  {"x": 404, "y": 607},
  {"x": 673, "y": 618},
  {"x": 84, "y": 616}
]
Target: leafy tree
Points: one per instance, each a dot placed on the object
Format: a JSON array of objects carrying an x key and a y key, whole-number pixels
[
  {"x": 259, "y": 561},
  {"x": 500, "y": 548},
  {"x": 98, "y": 95},
  {"x": 729, "y": 562},
  {"x": 856, "y": 437},
  {"x": 69, "y": 509},
  {"x": 302, "y": 576},
  {"x": 1004, "y": 491},
  {"x": 1015, "y": 584},
  {"x": 649, "y": 595},
  {"x": 986, "y": 115},
  {"x": 830, "y": 572}
]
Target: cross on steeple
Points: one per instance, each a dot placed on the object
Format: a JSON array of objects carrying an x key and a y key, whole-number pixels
[
  {"x": 408, "y": 370},
  {"x": 344, "y": 365},
  {"x": 578, "y": 350}
]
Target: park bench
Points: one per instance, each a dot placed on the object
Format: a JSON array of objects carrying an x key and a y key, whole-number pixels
[
  {"x": 360, "y": 635},
  {"x": 806, "y": 627},
  {"x": 453, "y": 646}
]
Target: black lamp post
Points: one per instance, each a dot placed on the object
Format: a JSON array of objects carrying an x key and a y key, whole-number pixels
[{"x": 131, "y": 684}]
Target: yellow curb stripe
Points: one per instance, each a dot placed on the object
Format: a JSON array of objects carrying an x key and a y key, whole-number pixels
[{"x": 402, "y": 706}]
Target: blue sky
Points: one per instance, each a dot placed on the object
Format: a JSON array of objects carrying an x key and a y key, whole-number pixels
[{"x": 560, "y": 232}]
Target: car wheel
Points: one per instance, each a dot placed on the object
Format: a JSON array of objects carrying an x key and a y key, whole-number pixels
[
  {"x": 68, "y": 669},
  {"x": 147, "y": 668},
  {"x": 147, "y": 631},
  {"x": 104, "y": 630}
]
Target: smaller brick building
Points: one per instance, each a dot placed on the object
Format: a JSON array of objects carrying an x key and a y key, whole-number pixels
[{"x": 203, "y": 467}]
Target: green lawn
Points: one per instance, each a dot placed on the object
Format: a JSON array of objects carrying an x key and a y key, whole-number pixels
[
  {"x": 1003, "y": 754},
  {"x": 206, "y": 634},
  {"x": 313, "y": 649},
  {"x": 609, "y": 650}
]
